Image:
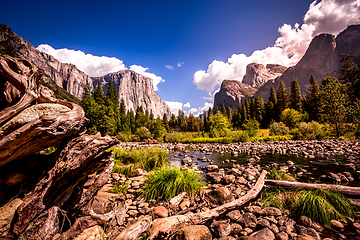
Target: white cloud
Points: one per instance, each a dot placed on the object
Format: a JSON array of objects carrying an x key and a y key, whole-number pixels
[
  {"x": 143, "y": 71},
  {"x": 193, "y": 110},
  {"x": 327, "y": 16},
  {"x": 187, "y": 105},
  {"x": 174, "y": 106},
  {"x": 95, "y": 66},
  {"x": 169, "y": 67},
  {"x": 180, "y": 64}
]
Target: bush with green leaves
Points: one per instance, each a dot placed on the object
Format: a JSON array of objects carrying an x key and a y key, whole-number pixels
[
  {"x": 278, "y": 128},
  {"x": 219, "y": 125},
  {"x": 291, "y": 118},
  {"x": 167, "y": 182},
  {"x": 142, "y": 133},
  {"x": 313, "y": 130},
  {"x": 320, "y": 205},
  {"x": 251, "y": 127}
]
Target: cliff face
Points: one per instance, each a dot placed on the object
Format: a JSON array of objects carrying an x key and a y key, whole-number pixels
[
  {"x": 321, "y": 59},
  {"x": 136, "y": 90},
  {"x": 232, "y": 92},
  {"x": 64, "y": 75},
  {"x": 257, "y": 74}
]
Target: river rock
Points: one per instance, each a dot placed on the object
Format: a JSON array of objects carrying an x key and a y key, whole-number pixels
[
  {"x": 247, "y": 220},
  {"x": 336, "y": 224},
  {"x": 312, "y": 233},
  {"x": 264, "y": 234},
  {"x": 262, "y": 223},
  {"x": 235, "y": 228},
  {"x": 282, "y": 236},
  {"x": 221, "y": 228},
  {"x": 223, "y": 195},
  {"x": 227, "y": 179},
  {"x": 233, "y": 215},
  {"x": 92, "y": 233},
  {"x": 193, "y": 232},
  {"x": 212, "y": 168},
  {"x": 272, "y": 211},
  {"x": 305, "y": 221},
  {"x": 161, "y": 212}
]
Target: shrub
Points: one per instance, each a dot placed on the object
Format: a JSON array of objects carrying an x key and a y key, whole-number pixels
[
  {"x": 219, "y": 125},
  {"x": 290, "y": 117},
  {"x": 313, "y": 130},
  {"x": 278, "y": 128},
  {"x": 319, "y": 205},
  {"x": 143, "y": 133},
  {"x": 167, "y": 182},
  {"x": 124, "y": 137},
  {"x": 251, "y": 127},
  {"x": 119, "y": 189}
]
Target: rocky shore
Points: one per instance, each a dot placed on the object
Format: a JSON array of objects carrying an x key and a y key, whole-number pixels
[{"x": 225, "y": 185}]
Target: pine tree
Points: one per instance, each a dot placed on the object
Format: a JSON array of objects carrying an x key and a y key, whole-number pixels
[
  {"x": 282, "y": 98},
  {"x": 313, "y": 100},
  {"x": 99, "y": 94},
  {"x": 333, "y": 102},
  {"x": 295, "y": 96},
  {"x": 258, "y": 108},
  {"x": 111, "y": 95}
]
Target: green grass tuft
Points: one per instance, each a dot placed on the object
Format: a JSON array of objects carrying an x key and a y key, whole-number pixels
[
  {"x": 320, "y": 205},
  {"x": 147, "y": 159},
  {"x": 167, "y": 182},
  {"x": 120, "y": 189},
  {"x": 276, "y": 174}
]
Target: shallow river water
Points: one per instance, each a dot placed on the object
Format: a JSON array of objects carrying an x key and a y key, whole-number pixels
[{"x": 314, "y": 169}]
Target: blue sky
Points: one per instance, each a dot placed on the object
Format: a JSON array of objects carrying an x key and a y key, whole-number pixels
[{"x": 211, "y": 40}]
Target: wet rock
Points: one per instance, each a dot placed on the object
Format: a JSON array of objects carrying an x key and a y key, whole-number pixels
[
  {"x": 92, "y": 233},
  {"x": 247, "y": 220},
  {"x": 223, "y": 195},
  {"x": 215, "y": 177},
  {"x": 193, "y": 232},
  {"x": 212, "y": 168},
  {"x": 186, "y": 161},
  {"x": 221, "y": 228},
  {"x": 334, "y": 177},
  {"x": 161, "y": 212},
  {"x": 264, "y": 234}
]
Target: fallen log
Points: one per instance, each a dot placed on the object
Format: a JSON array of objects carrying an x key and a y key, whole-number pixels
[
  {"x": 163, "y": 227},
  {"x": 134, "y": 230},
  {"x": 350, "y": 191}
]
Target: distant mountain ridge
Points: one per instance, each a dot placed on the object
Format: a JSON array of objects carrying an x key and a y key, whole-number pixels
[
  {"x": 140, "y": 90},
  {"x": 321, "y": 59}
]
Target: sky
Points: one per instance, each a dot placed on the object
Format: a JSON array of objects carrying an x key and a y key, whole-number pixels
[{"x": 187, "y": 47}]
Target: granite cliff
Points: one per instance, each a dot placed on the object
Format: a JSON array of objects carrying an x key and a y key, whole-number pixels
[
  {"x": 232, "y": 92},
  {"x": 136, "y": 90},
  {"x": 257, "y": 74}
]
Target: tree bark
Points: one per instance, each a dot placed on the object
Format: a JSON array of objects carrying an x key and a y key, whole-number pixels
[
  {"x": 163, "y": 227},
  {"x": 350, "y": 191}
]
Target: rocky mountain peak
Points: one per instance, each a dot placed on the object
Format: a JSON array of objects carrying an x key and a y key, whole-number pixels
[
  {"x": 136, "y": 90},
  {"x": 257, "y": 74},
  {"x": 232, "y": 92}
]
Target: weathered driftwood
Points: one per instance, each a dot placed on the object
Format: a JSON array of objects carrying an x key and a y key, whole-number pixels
[
  {"x": 40, "y": 133},
  {"x": 62, "y": 185},
  {"x": 134, "y": 230},
  {"x": 80, "y": 225},
  {"x": 163, "y": 227},
  {"x": 350, "y": 191}
]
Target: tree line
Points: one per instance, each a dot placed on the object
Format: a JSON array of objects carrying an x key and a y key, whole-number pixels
[{"x": 334, "y": 101}]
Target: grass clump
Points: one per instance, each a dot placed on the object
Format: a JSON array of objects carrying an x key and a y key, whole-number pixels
[
  {"x": 320, "y": 205},
  {"x": 147, "y": 159},
  {"x": 120, "y": 188},
  {"x": 276, "y": 174},
  {"x": 167, "y": 182}
]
